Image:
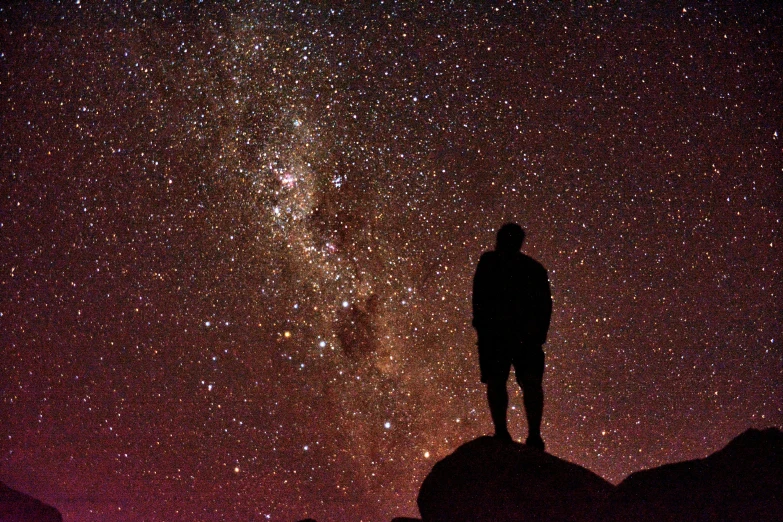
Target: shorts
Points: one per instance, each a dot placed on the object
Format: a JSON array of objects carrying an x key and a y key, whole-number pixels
[{"x": 497, "y": 354}]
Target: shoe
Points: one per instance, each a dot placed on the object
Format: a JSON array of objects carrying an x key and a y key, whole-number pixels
[
  {"x": 535, "y": 442},
  {"x": 503, "y": 436}
]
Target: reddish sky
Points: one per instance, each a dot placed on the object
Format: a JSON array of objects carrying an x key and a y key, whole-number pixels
[{"x": 237, "y": 244}]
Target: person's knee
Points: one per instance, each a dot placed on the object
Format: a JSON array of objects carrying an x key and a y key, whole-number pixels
[
  {"x": 530, "y": 383},
  {"x": 496, "y": 388}
]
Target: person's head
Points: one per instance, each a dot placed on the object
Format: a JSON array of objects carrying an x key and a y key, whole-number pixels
[{"x": 510, "y": 238}]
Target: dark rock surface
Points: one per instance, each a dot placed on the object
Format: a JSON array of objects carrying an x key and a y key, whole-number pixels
[
  {"x": 18, "y": 507},
  {"x": 742, "y": 482},
  {"x": 486, "y": 479}
]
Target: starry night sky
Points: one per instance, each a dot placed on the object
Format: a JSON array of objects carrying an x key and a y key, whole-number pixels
[{"x": 237, "y": 243}]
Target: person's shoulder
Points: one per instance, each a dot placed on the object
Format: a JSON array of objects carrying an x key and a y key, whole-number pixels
[
  {"x": 487, "y": 262},
  {"x": 488, "y": 256},
  {"x": 531, "y": 264}
]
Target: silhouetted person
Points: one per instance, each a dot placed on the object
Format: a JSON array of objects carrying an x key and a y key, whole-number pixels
[{"x": 512, "y": 307}]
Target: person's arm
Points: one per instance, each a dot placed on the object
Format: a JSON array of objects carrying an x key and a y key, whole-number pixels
[
  {"x": 479, "y": 294},
  {"x": 545, "y": 304}
]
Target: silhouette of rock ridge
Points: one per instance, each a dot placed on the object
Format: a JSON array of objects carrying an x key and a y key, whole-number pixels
[
  {"x": 742, "y": 482},
  {"x": 18, "y": 507},
  {"x": 487, "y": 479}
]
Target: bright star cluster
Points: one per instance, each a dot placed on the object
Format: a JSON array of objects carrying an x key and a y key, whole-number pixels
[{"x": 238, "y": 242}]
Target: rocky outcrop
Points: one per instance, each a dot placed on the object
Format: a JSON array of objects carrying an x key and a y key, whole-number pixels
[
  {"x": 742, "y": 482},
  {"x": 18, "y": 507},
  {"x": 487, "y": 479}
]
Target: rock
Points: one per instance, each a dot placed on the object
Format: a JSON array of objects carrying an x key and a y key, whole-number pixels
[
  {"x": 18, "y": 507},
  {"x": 486, "y": 479},
  {"x": 742, "y": 482}
]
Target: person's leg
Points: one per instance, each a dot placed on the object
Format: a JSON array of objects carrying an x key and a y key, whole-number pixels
[
  {"x": 495, "y": 362},
  {"x": 530, "y": 379},
  {"x": 497, "y": 396},
  {"x": 533, "y": 393}
]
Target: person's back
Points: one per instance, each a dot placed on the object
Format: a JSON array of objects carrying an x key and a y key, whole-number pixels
[
  {"x": 511, "y": 297},
  {"x": 512, "y": 307}
]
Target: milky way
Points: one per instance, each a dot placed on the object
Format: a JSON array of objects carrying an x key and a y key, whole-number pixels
[{"x": 238, "y": 243}]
